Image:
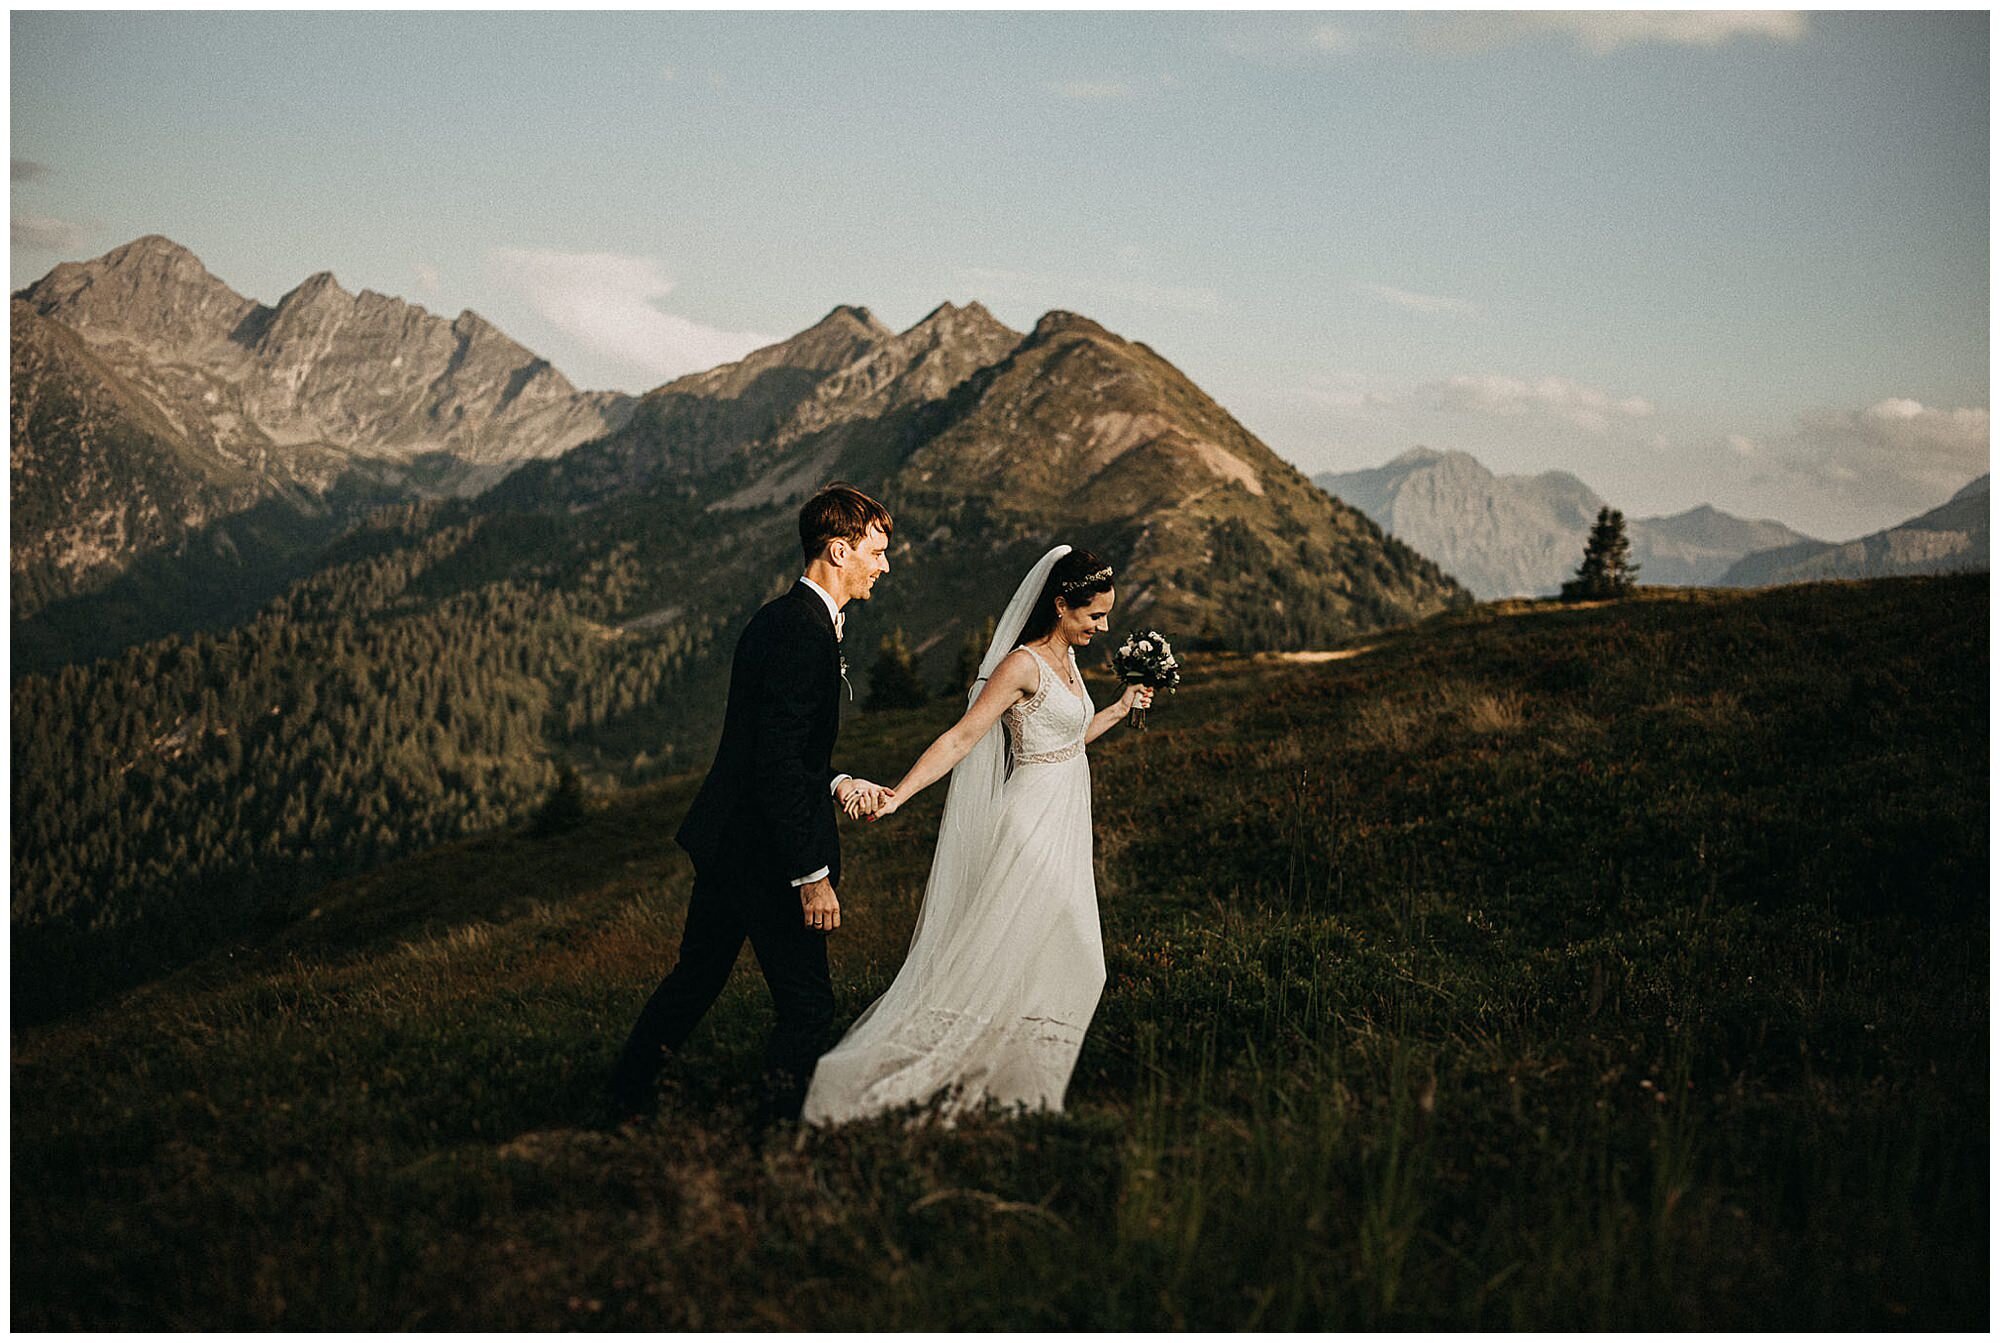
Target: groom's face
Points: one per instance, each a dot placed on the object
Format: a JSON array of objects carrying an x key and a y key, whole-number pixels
[{"x": 860, "y": 565}]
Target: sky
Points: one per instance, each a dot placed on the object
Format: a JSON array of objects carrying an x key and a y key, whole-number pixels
[{"x": 1701, "y": 257}]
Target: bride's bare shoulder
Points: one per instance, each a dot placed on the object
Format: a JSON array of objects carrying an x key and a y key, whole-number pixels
[
  {"x": 1012, "y": 681},
  {"x": 1017, "y": 669}
]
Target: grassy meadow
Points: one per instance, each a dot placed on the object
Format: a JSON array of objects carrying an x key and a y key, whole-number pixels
[{"x": 1537, "y": 967}]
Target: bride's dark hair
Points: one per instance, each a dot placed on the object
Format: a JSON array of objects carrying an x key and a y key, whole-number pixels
[{"x": 1078, "y": 578}]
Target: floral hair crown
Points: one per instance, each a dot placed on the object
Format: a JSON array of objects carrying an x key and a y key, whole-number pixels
[{"x": 1077, "y": 585}]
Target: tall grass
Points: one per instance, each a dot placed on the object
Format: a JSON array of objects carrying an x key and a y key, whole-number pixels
[{"x": 1621, "y": 968}]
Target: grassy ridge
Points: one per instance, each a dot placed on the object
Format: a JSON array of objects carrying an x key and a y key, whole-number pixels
[{"x": 1620, "y": 967}]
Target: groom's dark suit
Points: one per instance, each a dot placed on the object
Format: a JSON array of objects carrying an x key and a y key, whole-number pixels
[{"x": 764, "y": 817}]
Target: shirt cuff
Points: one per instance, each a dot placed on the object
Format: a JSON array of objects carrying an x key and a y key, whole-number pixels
[
  {"x": 809, "y": 880},
  {"x": 834, "y": 787}
]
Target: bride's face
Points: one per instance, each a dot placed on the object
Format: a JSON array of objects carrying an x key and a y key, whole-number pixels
[{"x": 1081, "y": 624}]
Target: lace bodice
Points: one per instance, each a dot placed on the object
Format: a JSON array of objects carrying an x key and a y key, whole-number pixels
[{"x": 1048, "y": 726}]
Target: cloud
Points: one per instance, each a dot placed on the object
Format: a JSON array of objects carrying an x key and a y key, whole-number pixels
[
  {"x": 1283, "y": 40},
  {"x": 428, "y": 279},
  {"x": 27, "y": 170},
  {"x": 1604, "y": 32},
  {"x": 1743, "y": 445},
  {"x": 1897, "y": 453},
  {"x": 1331, "y": 37},
  {"x": 608, "y": 302},
  {"x": 1084, "y": 90},
  {"x": 1349, "y": 399},
  {"x": 1074, "y": 292},
  {"x": 1492, "y": 394},
  {"x": 1403, "y": 298},
  {"x": 39, "y": 233}
]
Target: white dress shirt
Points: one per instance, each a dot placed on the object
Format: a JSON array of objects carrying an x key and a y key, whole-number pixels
[{"x": 832, "y": 609}]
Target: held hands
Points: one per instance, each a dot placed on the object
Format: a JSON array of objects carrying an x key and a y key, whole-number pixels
[
  {"x": 859, "y": 798},
  {"x": 886, "y": 804}
]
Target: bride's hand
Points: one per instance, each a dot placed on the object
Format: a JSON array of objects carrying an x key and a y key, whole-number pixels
[
  {"x": 1136, "y": 697},
  {"x": 885, "y": 805},
  {"x": 859, "y": 798}
]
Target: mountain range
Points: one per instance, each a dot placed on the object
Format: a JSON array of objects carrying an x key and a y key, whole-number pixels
[
  {"x": 1954, "y": 536},
  {"x": 424, "y": 665},
  {"x": 987, "y": 440},
  {"x": 153, "y": 402},
  {"x": 1510, "y": 536}
]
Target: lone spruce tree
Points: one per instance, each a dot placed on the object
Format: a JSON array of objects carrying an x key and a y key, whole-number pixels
[
  {"x": 1607, "y": 567},
  {"x": 892, "y": 682}
]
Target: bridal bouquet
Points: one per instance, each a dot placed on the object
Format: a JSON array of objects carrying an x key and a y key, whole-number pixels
[{"x": 1147, "y": 659}]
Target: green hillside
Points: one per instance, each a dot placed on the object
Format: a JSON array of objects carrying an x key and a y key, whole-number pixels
[
  {"x": 1621, "y": 967},
  {"x": 441, "y": 663}
]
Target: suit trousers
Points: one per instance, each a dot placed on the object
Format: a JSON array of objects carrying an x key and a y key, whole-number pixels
[{"x": 724, "y": 908}]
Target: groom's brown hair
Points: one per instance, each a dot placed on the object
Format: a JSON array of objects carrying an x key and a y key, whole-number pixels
[{"x": 839, "y": 512}]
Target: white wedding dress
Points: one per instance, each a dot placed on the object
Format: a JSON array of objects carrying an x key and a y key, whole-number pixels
[{"x": 1007, "y": 961}]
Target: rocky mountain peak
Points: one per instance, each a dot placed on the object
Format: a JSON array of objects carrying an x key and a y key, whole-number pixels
[
  {"x": 1059, "y": 323},
  {"x": 1418, "y": 456},
  {"x": 290, "y": 396},
  {"x": 948, "y": 321},
  {"x": 785, "y": 372},
  {"x": 151, "y": 291},
  {"x": 152, "y": 249},
  {"x": 316, "y": 290},
  {"x": 942, "y": 313},
  {"x": 849, "y": 317},
  {"x": 470, "y": 326}
]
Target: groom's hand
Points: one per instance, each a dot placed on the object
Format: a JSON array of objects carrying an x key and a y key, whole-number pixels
[
  {"x": 822, "y": 907},
  {"x": 859, "y": 798}
]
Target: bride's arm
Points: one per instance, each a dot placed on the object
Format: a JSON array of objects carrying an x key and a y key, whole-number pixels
[
  {"x": 1012, "y": 681},
  {"x": 1135, "y": 697}
]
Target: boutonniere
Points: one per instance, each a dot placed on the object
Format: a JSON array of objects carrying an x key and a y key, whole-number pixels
[{"x": 843, "y": 676}]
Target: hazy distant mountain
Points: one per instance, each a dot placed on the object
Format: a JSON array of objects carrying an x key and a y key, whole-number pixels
[
  {"x": 153, "y": 404},
  {"x": 1695, "y": 548},
  {"x": 1505, "y": 536},
  {"x": 1955, "y": 536}
]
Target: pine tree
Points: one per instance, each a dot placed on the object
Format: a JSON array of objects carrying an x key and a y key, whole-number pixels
[
  {"x": 1607, "y": 568},
  {"x": 893, "y": 683}
]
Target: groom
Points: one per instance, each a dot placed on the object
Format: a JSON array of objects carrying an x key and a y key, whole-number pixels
[{"x": 761, "y": 831}]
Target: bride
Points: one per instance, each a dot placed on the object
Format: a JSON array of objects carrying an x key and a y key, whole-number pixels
[{"x": 1006, "y": 962}]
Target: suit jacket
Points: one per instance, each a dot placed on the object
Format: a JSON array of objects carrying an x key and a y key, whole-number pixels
[{"x": 766, "y": 808}]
